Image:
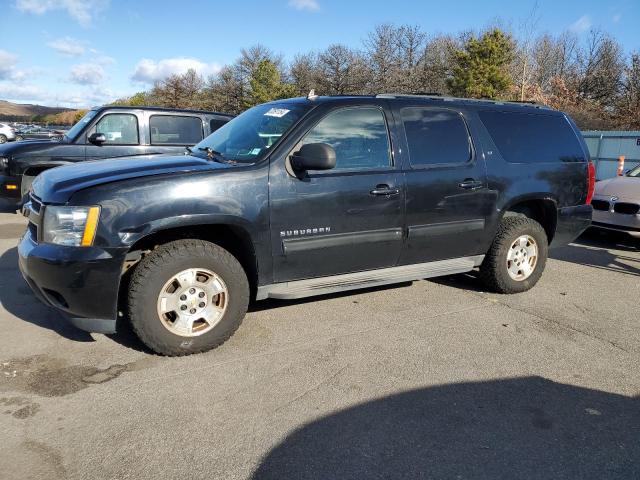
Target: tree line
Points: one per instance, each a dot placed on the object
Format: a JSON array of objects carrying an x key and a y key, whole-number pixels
[{"x": 591, "y": 79}]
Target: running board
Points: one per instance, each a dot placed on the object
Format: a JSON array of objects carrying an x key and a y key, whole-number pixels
[{"x": 370, "y": 278}]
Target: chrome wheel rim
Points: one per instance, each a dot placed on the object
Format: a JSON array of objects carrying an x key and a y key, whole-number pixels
[
  {"x": 522, "y": 258},
  {"x": 192, "y": 302}
]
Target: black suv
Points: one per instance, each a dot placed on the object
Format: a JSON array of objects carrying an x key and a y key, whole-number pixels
[
  {"x": 304, "y": 197},
  {"x": 105, "y": 132}
]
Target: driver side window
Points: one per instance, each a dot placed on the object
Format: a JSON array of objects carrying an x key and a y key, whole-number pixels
[
  {"x": 119, "y": 128},
  {"x": 358, "y": 135}
]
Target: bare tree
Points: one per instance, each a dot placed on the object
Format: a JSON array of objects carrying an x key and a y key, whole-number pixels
[{"x": 342, "y": 71}]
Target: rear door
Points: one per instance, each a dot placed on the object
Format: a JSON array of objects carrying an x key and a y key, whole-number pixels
[{"x": 447, "y": 202}]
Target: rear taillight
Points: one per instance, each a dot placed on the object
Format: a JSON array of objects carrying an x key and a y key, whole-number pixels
[{"x": 591, "y": 182}]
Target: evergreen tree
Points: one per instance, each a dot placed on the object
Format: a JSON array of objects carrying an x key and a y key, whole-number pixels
[{"x": 482, "y": 67}]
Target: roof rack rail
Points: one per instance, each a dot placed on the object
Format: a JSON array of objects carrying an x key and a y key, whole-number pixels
[{"x": 438, "y": 96}]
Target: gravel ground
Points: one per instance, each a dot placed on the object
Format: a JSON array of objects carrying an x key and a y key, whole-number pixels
[{"x": 434, "y": 379}]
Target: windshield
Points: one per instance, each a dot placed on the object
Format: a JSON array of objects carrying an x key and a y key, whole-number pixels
[
  {"x": 635, "y": 172},
  {"x": 77, "y": 128},
  {"x": 248, "y": 137}
]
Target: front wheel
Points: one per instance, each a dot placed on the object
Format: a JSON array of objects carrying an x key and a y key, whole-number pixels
[
  {"x": 3, "y": 138},
  {"x": 19, "y": 138},
  {"x": 187, "y": 296},
  {"x": 517, "y": 256}
]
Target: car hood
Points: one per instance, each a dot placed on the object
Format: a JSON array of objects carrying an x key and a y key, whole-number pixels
[
  {"x": 627, "y": 188},
  {"x": 58, "y": 184},
  {"x": 12, "y": 148}
]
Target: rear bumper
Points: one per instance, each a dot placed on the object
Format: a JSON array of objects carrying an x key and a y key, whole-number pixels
[
  {"x": 10, "y": 187},
  {"x": 82, "y": 283},
  {"x": 572, "y": 221}
]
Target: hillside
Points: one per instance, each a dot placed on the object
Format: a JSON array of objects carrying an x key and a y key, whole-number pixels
[{"x": 9, "y": 109}]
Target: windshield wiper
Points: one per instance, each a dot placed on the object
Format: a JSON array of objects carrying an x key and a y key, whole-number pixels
[{"x": 215, "y": 156}]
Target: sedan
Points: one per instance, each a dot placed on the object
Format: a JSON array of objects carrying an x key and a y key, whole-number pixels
[{"x": 616, "y": 203}]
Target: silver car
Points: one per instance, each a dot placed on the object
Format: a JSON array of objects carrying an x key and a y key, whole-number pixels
[
  {"x": 616, "y": 203},
  {"x": 7, "y": 134}
]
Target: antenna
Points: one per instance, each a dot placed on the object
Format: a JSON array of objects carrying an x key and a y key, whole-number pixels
[{"x": 312, "y": 95}]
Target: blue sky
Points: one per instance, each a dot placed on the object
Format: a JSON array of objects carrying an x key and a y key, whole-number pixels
[{"x": 78, "y": 53}]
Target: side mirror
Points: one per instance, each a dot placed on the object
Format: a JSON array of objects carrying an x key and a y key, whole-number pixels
[
  {"x": 97, "y": 138},
  {"x": 314, "y": 156}
]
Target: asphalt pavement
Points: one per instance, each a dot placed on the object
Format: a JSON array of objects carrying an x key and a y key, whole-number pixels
[{"x": 433, "y": 379}]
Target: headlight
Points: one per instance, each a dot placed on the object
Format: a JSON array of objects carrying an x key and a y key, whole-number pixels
[
  {"x": 4, "y": 163},
  {"x": 72, "y": 226}
]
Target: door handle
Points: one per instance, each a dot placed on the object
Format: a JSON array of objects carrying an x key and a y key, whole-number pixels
[
  {"x": 384, "y": 190},
  {"x": 471, "y": 184}
]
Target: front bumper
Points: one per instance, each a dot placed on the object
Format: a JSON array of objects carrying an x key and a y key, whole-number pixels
[
  {"x": 612, "y": 220},
  {"x": 80, "y": 282},
  {"x": 10, "y": 187}
]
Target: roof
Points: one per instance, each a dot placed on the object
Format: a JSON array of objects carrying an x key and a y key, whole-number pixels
[
  {"x": 430, "y": 98},
  {"x": 159, "y": 109}
]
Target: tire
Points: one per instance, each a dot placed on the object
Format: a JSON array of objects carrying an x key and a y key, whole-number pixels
[
  {"x": 495, "y": 269},
  {"x": 152, "y": 279},
  {"x": 19, "y": 138},
  {"x": 3, "y": 138}
]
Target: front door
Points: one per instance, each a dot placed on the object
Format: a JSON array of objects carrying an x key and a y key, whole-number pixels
[
  {"x": 448, "y": 202},
  {"x": 123, "y": 137},
  {"x": 342, "y": 220}
]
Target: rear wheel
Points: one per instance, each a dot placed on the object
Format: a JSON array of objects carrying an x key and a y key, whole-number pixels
[
  {"x": 19, "y": 138},
  {"x": 517, "y": 256},
  {"x": 3, "y": 138},
  {"x": 187, "y": 296}
]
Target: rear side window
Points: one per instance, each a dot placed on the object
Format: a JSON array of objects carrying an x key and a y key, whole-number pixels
[
  {"x": 435, "y": 136},
  {"x": 215, "y": 124},
  {"x": 532, "y": 137},
  {"x": 358, "y": 135},
  {"x": 175, "y": 130}
]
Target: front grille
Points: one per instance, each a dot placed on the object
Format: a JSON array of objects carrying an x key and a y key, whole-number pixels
[
  {"x": 600, "y": 205},
  {"x": 36, "y": 204},
  {"x": 34, "y": 207},
  {"x": 626, "y": 208}
]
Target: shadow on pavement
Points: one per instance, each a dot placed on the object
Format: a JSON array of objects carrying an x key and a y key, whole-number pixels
[
  {"x": 593, "y": 249},
  {"x": 18, "y": 299},
  {"x": 529, "y": 428}
]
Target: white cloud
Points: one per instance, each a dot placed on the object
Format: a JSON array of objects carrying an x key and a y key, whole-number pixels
[
  {"x": 150, "y": 71},
  {"x": 22, "y": 93},
  {"x": 310, "y": 5},
  {"x": 7, "y": 64},
  {"x": 67, "y": 46},
  {"x": 581, "y": 25},
  {"x": 87, "y": 74},
  {"x": 80, "y": 10}
]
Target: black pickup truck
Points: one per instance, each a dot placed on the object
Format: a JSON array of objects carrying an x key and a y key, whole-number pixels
[
  {"x": 304, "y": 197},
  {"x": 104, "y": 132}
]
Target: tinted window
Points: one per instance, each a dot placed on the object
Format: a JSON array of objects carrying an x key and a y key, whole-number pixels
[
  {"x": 435, "y": 136},
  {"x": 530, "y": 137},
  {"x": 175, "y": 130},
  {"x": 119, "y": 128},
  {"x": 358, "y": 135},
  {"x": 216, "y": 124}
]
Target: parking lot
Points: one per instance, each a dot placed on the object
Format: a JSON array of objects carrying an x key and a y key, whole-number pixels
[{"x": 435, "y": 379}]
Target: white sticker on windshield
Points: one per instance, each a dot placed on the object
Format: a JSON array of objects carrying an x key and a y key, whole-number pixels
[{"x": 276, "y": 112}]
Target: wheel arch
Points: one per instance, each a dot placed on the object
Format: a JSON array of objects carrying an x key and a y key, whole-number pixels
[
  {"x": 234, "y": 238},
  {"x": 541, "y": 208}
]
